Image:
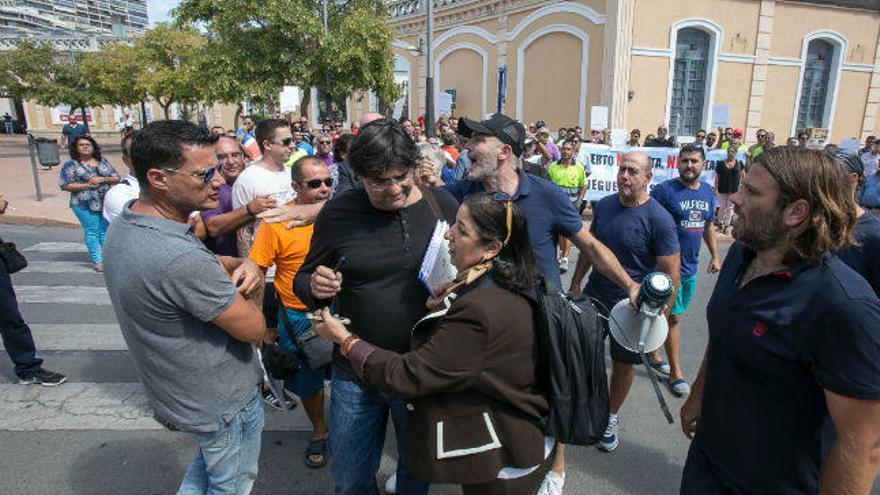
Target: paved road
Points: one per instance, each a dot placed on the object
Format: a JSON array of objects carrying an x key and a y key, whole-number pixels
[{"x": 94, "y": 435}]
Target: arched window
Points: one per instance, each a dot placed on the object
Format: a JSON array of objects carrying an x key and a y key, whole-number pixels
[
  {"x": 689, "y": 81},
  {"x": 815, "y": 85}
]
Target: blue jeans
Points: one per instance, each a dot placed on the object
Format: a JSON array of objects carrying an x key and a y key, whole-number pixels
[
  {"x": 227, "y": 460},
  {"x": 17, "y": 338},
  {"x": 94, "y": 229},
  {"x": 358, "y": 417}
]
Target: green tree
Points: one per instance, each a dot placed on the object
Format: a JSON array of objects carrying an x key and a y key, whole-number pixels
[
  {"x": 118, "y": 75},
  {"x": 170, "y": 57},
  {"x": 268, "y": 44},
  {"x": 38, "y": 72}
]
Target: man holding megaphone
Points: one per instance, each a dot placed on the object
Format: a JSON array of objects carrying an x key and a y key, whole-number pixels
[{"x": 642, "y": 234}]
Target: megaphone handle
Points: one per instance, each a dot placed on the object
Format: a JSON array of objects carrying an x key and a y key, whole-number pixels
[{"x": 653, "y": 378}]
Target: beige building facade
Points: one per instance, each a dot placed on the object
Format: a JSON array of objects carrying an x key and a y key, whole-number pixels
[{"x": 775, "y": 64}]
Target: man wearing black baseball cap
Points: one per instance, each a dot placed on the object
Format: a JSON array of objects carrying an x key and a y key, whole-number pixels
[{"x": 494, "y": 148}]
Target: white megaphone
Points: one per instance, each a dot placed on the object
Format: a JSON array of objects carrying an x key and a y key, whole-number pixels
[{"x": 645, "y": 329}]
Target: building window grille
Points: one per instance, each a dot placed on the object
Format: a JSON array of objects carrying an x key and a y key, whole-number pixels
[
  {"x": 689, "y": 81},
  {"x": 814, "y": 88}
]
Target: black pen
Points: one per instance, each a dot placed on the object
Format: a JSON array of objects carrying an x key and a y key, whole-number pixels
[{"x": 339, "y": 264}]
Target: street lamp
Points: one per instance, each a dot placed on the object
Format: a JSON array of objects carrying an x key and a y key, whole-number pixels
[{"x": 429, "y": 73}]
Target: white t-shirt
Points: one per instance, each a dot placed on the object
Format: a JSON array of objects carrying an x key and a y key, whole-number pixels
[
  {"x": 119, "y": 195},
  {"x": 257, "y": 181}
]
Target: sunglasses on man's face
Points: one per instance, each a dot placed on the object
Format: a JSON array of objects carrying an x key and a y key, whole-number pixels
[
  {"x": 287, "y": 141},
  {"x": 316, "y": 183},
  {"x": 205, "y": 175}
]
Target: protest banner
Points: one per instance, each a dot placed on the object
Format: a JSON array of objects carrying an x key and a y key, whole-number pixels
[{"x": 602, "y": 164}]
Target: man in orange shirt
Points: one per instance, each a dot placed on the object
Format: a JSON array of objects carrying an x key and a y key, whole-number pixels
[{"x": 287, "y": 249}]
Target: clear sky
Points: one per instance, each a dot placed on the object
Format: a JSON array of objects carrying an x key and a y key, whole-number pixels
[{"x": 158, "y": 10}]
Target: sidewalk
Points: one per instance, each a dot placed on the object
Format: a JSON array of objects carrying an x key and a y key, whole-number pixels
[{"x": 17, "y": 184}]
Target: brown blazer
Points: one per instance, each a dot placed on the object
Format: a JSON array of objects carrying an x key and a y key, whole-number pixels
[{"x": 473, "y": 405}]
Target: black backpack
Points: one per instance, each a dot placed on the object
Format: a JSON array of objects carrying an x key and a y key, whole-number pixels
[{"x": 571, "y": 346}]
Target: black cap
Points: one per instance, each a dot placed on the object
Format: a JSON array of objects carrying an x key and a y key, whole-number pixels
[
  {"x": 507, "y": 130},
  {"x": 851, "y": 161}
]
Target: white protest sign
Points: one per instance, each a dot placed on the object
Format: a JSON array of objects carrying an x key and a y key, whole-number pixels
[
  {"x": 720, "y": 116},
  {"x": 443, "y": 105},
  {"x": 618, "y": 137},
  {"x": 398, "y": 109},
  {"x": 598, "y": 118},
  {"x": 289, "y": 99}
]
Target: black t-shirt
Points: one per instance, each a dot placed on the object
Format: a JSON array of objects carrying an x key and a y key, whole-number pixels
[
  {"x": 383, "y": 250},
  {"x": 660, "y": 143},
  {"x": 728, "y": 178},
  {"x": 865, "y": 258},
  {"x": 774, "y": 347}
]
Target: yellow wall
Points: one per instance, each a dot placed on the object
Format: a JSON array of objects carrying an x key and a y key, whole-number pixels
[
  {"x": 648, "y": 81},
  {"x": 859, "y": 27},
  {"x": 850, "y": 109},
  {"x": 779, "y": 102},
  {"x": 462, "y": 70},
  {"x": 732, "y": 87},
  {"x": 738, "y": 19},
  {"x": 552, "y": 90}
]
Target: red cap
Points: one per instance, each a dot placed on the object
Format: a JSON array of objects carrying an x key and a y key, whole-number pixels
[{"x": 738, "y": 132}]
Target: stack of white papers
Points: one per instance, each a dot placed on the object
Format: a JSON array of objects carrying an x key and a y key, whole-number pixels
[{"x": 437, "y": 268}]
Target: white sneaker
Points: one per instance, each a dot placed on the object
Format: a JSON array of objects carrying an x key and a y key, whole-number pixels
[
  {"x": 391, "y": 485},
  {"x": 563, "y": 265},
  {"x": 609, "y": 441},
  {"x": 552, "y": 484}
]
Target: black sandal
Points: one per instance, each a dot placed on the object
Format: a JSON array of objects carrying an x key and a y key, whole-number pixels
[{"x": 316, "y": 447}]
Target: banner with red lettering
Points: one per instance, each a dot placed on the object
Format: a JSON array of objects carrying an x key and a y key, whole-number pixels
[{"x": 602, "y": 163}]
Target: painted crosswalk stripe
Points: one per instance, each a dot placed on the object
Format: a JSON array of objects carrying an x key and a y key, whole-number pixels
[
  {"x": 99, "y": 406},
  {"x": 78, "y": 337},
  {"x": 62, "y": 294},
  {"x": 57, "y": 247},
  {"x": 58, "y": 267}
]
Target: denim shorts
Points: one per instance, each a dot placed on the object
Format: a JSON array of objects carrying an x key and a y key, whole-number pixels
[{"x": 304, "y": 382}]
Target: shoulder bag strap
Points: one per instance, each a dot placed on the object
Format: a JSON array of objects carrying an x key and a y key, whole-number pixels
[{"x": 432, "y": 202}]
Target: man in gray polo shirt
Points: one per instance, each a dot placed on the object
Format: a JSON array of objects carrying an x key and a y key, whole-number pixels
[{"x": 182, "y": 311}]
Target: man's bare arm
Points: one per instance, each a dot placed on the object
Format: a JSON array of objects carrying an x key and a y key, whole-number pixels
[
  {"x": 295, "y": 215},
  {"x": 855, "y": 456},
  {"x": 712, "y": 243},
  {"x": 605, "y": 262}
]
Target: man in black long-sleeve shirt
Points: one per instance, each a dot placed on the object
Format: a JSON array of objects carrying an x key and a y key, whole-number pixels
[{"x": 382, "y": 231}]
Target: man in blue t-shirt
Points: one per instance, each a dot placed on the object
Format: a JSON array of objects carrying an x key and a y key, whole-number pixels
[
  {"x": 793, "y": 344},
  {"x": 641, "y": 233},
  {"x": 691, "y": 202}
]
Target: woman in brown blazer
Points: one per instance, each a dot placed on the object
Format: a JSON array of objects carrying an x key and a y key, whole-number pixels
[{"x": 475, "y": 400}]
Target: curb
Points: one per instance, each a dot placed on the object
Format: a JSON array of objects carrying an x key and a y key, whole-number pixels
[{"x": 37, "y": 222}]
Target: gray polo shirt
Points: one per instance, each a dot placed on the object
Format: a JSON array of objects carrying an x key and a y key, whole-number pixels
[{"x": 166, "y": 287}]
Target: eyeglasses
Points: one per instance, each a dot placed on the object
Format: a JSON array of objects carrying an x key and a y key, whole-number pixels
[
  {"x": 206, "y": 175},
  {"x": 323, "y": 142},
  {"x": 701, "y": 136},
  {"x": 234, "y": 155},
  {"x": 286, "y": 141},
  {"x": 316, "y": 183},
  {"x": 337, "y": 125},
  {"x": 377, "y": 183}
]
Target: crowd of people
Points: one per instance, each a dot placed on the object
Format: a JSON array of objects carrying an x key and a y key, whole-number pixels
[{"x": 219, "y": 243}]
